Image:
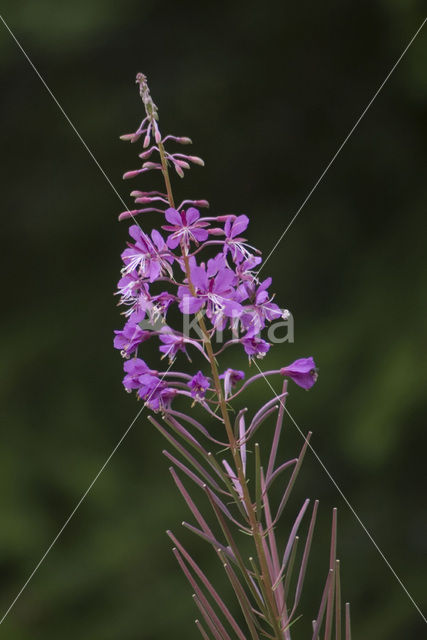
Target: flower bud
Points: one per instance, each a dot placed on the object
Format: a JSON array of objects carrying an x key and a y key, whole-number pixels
[
  {"x": 151, "y": 165},
  {"x": 131, "y": 174},
  {"x": 181, "y": 163},
  {"x": 143, "y": 200},
  {"x": 196, "y": 160},
  {"x": 128, "y": 214},
  {"x": 128, "y": 136},
  {"x": 216, "y": 231},
  {"x": 229, "y": 216},
  {"x": 146, "y": 154}
]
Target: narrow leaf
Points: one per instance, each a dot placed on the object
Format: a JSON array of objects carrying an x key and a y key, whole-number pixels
[
  {"x": 277, "y": 434},
  {"x": 347, "y": 622},
  {"x": 319, "y": 619},
  {"x": 305, "y": 556},
  {"x": 207, "y": 619},
  {"x": 291, "y": 564},
  {"x": 201, "y": 597},
  {"x": 292, "y": 478},
  {"x": 243, "y": 600},
  {"x": 213, "y": 592},
  {"x": 332, "y": 562},
  {"x": 338, "y": 623},
  {"x": 202, "y": 631}
]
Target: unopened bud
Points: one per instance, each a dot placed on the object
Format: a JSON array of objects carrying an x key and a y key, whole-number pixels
[
  {"x": 131, "y": 174},
  {"x": 179, "y": 171},
  {"x": 145, "y": 154},
  {"x": 136, "y": 136},
  {"x": 196, "y": 160},
  {"x": 216, "y": 231},
  {"x": 151, "y": 165},
  {"x": 128, "y": 214},
  {"x": 201, "y": 203},
  {"x": 229, "y": 216},
  {"x": 181, "y": 163},
  {"x": 127, "y": 136}
]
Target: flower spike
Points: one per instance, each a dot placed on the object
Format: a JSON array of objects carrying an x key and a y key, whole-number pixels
[{"x": 190, "y": 286}]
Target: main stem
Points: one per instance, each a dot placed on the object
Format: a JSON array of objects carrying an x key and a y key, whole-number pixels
[{"x": 255, "y": 523}]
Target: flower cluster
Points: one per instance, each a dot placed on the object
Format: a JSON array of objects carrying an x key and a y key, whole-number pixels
[{"x": 201, "y": 264}]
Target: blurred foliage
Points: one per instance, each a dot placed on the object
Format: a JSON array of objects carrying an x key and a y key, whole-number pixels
[{"x": 267, "y": 91}]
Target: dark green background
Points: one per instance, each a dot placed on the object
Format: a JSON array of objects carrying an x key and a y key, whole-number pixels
[{"x": 268, "y": 91}]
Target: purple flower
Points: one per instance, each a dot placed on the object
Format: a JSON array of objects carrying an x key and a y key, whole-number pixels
[
  {"x": 161, "y": 398},
  {"x": 134, "y": 368},
  {"x": 302, "y": 372},
  {"x": 128, "y": 287},
  {"x": 233, "y": 227},
  {"x": 155, "y": 392},
  {"x": 255, "y": 346},
  {"x": 231, "y": 377},
  {"x": 161, "y": 304},
  {"x": 244, "y": 269},
  {"x": 130, "y": 337},
  {"x": 145, "y": 304},
  {"x": 260, "y": 308},
  {"x": 174, "y": 342},
  {"x": 199, "y": 384},
  {"x": 149, "y": 257},
  {"x": 224, "y": 289},
  {"x": 214, "y": 285},
  {"x": 185, "y": 226}
]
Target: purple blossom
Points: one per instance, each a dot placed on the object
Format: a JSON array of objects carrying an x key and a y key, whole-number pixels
[
  {"x": 261, "y": 309},
  {"x": 143, "y": 303},
  {"x": 155, "y": 392},
  {"x": 225, "y": 288},
  {"x": 134, "y": 368},
  {"x": 161, "y": 304},
  {"x": 174, "y": 342},
  {"x": 303, "y": 372},
  {"x": 129, "y": 287},
  {"x": 244, "y": 270},
  {"x": 254, "y": 345},
  {"x": 148, "y": 257},
  {"x": 199, "y": 384},
  {"x": 184, "y": 226},
  {"x": 130, "y": 337},
  {"x": 214, "y": 286},
  {"x": 233, "y": 227},
  {"x": 231, "y": 377}
]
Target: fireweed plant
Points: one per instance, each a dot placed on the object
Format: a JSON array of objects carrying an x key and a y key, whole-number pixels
[{"x": 204, "y": 267}]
